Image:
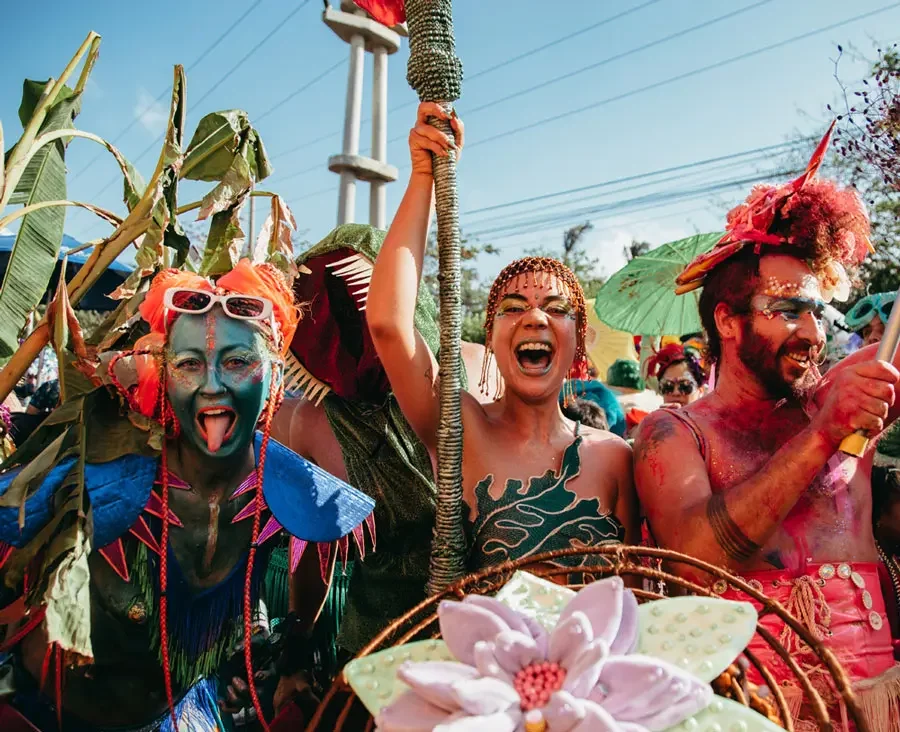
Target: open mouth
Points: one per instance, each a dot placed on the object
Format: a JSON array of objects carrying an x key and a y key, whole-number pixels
[
  {"x": 534, "y": 357},
  {"x": 799, "y": 360},
  {"x": 216, "y": 425}
]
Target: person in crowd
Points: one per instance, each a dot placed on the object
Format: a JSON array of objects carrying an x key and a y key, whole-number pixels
[
  {"x": 680, "y": 374},
  {"x": 587, "y": 412},
  {"x": 751, "y": 477},
  {"x": 136, "y": 561},
  {"x": 601, "y": 396},
  {"x": 521, "y": 456},
  {"x": 635, "y": 399},
  {"x": 345, "y": 419},
  {"x": 868, "y": 317}
]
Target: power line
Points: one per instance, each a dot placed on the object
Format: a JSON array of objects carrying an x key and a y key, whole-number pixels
[
  {"x": 164, "y": 92},
  {"x": 658, "y": 84},
  {"x": 616, "y": 57},
  {"x": 681, "y": 77},
  {"x": 610, "y": 59},
  {"x": 631, "y": 204},
  {"x": 517, "y": 217},
  {"x": 490, "y": 69},
  {"x": 640, "y": 176},
  {"x": 281, "y": 24},
  {"x": 647, "y": 220},
  {"x": 300, "y": 90}
]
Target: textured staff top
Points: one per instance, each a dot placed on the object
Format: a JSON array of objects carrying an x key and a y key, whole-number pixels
[{"x": 434, "y": 70}]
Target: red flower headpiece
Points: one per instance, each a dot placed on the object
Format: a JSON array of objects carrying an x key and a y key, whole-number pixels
[{"x": 834, "y": 218}]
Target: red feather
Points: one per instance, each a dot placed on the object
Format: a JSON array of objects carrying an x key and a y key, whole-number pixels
[{"x": 386, "y": 12}]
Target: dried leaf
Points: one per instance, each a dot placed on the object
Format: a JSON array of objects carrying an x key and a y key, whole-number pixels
[
  {"x": 151, "y": 253},
  {"x": 235, "y": 184},
  {"x": 225, "y": 242},
  {"x": 274, "y": 241}
]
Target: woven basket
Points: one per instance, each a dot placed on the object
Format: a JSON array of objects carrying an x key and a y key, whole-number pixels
[{"x": 341, "y": 710}]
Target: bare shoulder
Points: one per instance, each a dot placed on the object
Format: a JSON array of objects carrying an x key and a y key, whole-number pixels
[
  {"x": 663, "y": 429},
  {"x": 601, "y": 444}
]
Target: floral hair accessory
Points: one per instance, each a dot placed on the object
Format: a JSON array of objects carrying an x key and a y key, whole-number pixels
[
  {"x": 541, "y": 658},
  {"x": 826, "y": 225}
]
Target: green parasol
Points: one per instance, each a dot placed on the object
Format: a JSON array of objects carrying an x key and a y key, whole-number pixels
[{"x": 640, "y": 298}]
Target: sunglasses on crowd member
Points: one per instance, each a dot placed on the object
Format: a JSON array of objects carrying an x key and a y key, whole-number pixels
[
  {"x": 684, "y": 386},
  {"x": 197, "y": 302},
  {"x": 865, "y": 310}
]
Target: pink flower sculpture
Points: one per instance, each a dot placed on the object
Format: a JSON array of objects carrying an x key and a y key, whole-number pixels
[{"x": 512, "y": 676}]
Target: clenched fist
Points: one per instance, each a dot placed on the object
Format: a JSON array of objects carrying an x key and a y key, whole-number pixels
[{"x": 858, "y": 399}]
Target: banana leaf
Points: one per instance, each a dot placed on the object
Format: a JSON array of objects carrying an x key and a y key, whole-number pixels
[
  {"x": 220, "y": 136},
  {"x": 40, "y": 234},
  {"x": 225, "y": 241}
]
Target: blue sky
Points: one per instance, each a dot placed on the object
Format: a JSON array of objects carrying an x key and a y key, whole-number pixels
[{"x": 730, "y": 108}]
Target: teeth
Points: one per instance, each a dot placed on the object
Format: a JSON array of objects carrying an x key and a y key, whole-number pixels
[
  {"x": 215, "y": 412},
  {"x": 534, "y": 347}
]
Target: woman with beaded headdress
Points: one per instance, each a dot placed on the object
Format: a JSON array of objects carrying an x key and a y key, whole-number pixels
[
  {"x": 532, "y": 480},
  {"x": 136, "y": 528}
]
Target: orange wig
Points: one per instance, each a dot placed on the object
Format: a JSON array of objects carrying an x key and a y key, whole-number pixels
[{"x": 259, "y": 280}]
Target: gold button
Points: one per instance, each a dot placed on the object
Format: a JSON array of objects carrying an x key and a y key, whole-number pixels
[
  {"x": 857, "y": 580},
  {"x": 844, "y": 571},
  {"x": 866, "y": 600},
  {"x": 719, "y": 586},
  {"x": 826, "y": 571},
  {"x": 875, "y": 620}
]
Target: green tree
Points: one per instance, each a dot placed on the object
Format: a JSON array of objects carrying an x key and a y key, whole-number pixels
[
  {"x": 574, "y": 256},
  {"x": 866, "y": 154},
  {"x": 473, "y": 291},
  {"x": 636, "y": 249}
]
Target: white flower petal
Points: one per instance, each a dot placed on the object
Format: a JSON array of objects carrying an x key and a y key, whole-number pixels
[
  {"x": 565, "y": 713},
  {"x": 410, "y": 713},
  {"x": 583, "y": 673},
  {"x": 649, "y": 692},
  {"x": 569, "y": 638},
  {"x": 626, "y": 639},
  {"x": 597, "y": 719},
  {"x": 514, "y": 651},
  {"x": 602, "y": 602},
  {"x": 433, "y": 680},
  {"x": 501, "y": 722},
  {"x": 484, "y": 696},
  {"x": 515, "y": 621},
  {"x": 487, "y": 664},
  {"x": 464, "y": 624}
]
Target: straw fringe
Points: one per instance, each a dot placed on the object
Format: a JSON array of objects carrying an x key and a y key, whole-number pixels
[{"x": 297, "y": 378}]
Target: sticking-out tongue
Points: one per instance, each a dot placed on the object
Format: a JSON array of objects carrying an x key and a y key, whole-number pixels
[{"x": 216, "y": 426}]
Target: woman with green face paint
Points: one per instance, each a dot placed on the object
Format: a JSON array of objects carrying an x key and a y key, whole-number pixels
[{"x": 183, "y": 592}]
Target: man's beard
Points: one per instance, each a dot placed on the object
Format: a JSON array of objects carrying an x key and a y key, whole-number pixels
[{"x": 757, "y": 355}]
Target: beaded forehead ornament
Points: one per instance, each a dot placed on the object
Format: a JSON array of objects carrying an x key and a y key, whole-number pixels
[{"x": 539, "y": 272}]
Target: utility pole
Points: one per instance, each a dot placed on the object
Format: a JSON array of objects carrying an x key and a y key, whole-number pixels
[{"x": 353, "y": 26}]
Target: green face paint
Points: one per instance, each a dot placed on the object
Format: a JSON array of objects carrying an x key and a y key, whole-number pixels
[{"x": 219, "y": 374}]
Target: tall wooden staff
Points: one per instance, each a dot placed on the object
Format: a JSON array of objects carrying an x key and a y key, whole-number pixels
[{"x": 435, "y": 72}]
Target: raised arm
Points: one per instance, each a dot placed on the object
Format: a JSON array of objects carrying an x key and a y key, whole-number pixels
[
  {"x": 391, "y": 304},
  {"x": 729, "y": 528}
]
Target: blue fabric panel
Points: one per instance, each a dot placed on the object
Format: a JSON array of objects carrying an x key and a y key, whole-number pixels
[
  {"x": 308, "y": 502},
  {"x": 38, "y": 508},
  {"x": 118, "y": 492}
]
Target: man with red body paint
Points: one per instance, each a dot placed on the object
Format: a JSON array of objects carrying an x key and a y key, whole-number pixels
[{"x": 751, "y": 477}]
